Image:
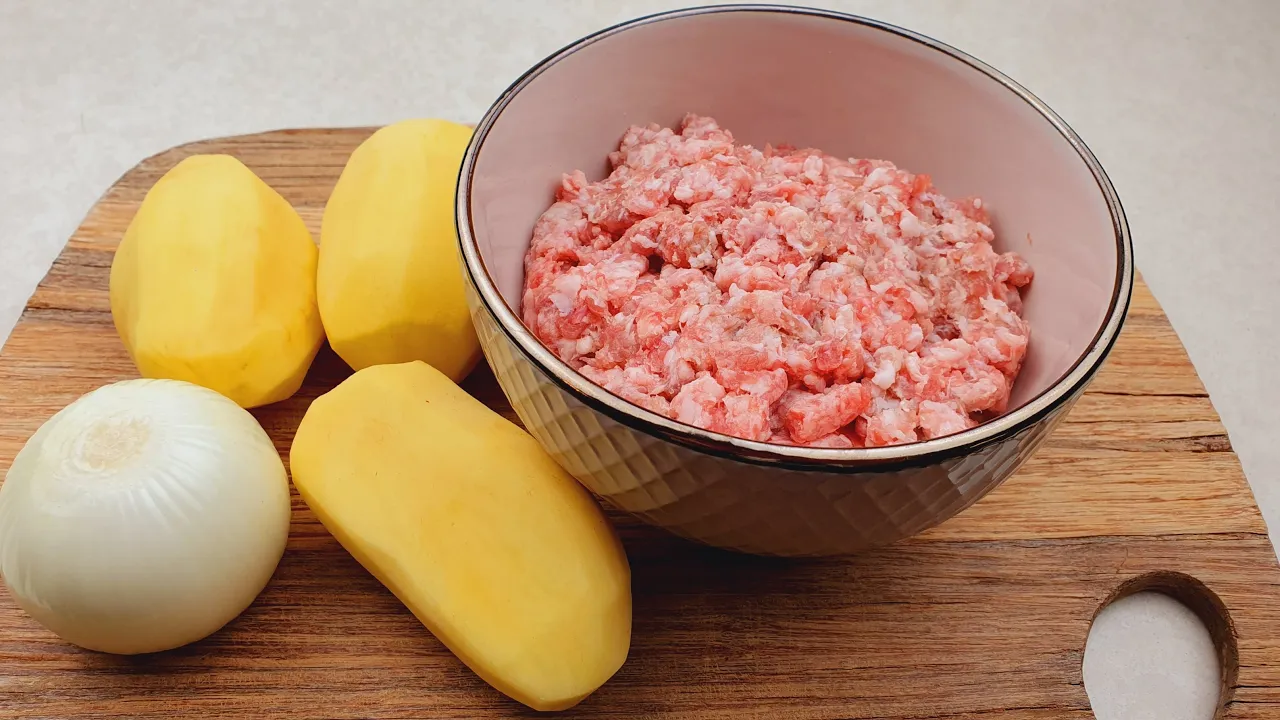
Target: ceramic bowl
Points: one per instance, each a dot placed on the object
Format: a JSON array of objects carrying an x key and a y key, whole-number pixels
[{"x": 855, "y": 88}]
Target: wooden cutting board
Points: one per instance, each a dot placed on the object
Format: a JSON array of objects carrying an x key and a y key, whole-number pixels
[{"x": 983, "y": 617}]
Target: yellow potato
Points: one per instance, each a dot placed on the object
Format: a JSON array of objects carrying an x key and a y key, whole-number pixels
[
  {"x": 390, "y": 281},
  {"x": 462, "y": 515},
  {"x": 214, "y": 284}
]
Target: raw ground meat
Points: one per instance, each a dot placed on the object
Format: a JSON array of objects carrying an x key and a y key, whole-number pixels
[{"x": 781, "y": 295}]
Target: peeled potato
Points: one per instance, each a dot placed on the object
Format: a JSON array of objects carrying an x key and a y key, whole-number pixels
[
  {"x": 390, "y": 281},
  {"x": 462, "y": 515},
  {"x": 214, "y": 284}
]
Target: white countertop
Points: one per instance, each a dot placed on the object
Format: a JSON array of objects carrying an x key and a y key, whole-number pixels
[{"x": 1179, "y": 100}]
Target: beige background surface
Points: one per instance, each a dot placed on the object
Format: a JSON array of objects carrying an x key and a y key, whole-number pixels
[{"x": 1178, "y": 99}]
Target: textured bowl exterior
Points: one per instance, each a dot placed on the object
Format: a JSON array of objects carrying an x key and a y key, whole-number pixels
[
  {"x": 729, "y": 492},
  {"x": 733, "y": 503}
]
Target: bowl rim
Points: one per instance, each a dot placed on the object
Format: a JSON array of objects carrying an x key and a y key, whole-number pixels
[{"x": 892, "y": 457}]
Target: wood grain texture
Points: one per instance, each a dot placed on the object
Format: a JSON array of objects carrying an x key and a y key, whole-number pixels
[{"x": 985, "y": 616}]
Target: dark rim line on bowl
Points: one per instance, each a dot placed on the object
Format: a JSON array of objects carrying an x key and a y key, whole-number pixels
[{"x": 797, "y": 457}]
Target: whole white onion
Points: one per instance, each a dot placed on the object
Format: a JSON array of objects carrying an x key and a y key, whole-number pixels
[{"x": 145, "y": 515}]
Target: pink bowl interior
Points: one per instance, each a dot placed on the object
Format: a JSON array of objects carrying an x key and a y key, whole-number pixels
[{"x": 850, "y": 89}]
